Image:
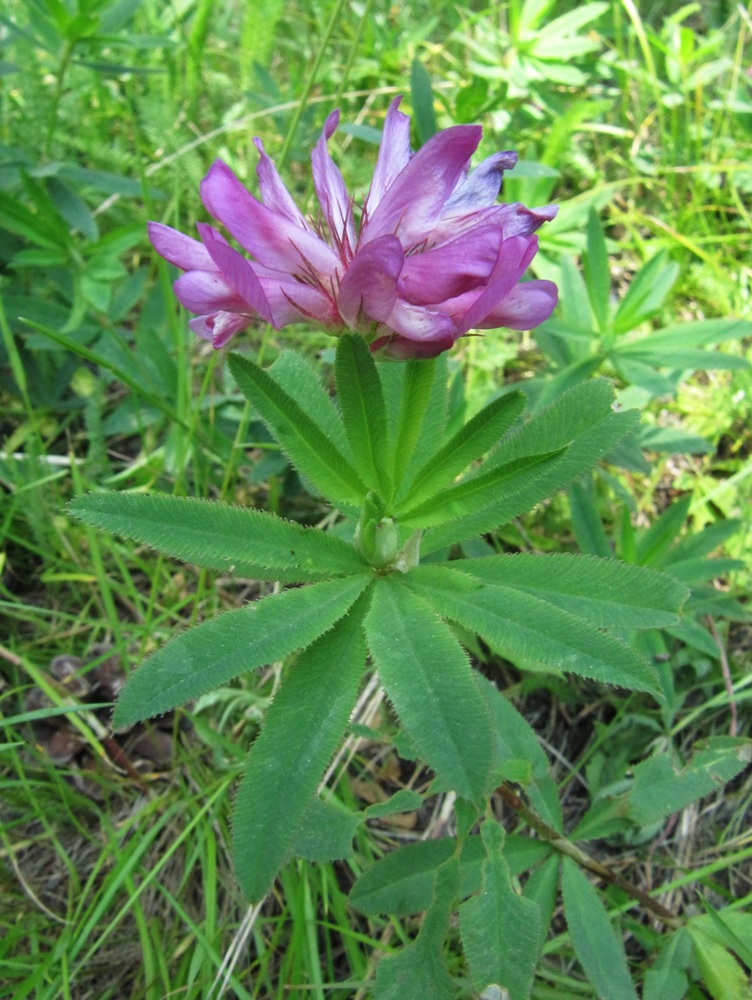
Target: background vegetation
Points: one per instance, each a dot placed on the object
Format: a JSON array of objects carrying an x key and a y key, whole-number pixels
[{"x": 637, "y": 118}]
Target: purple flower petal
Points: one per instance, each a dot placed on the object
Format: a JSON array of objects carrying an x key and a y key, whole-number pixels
[
  {"x": 415, "y": 199},
  {"x": 238, "y": 273},
  {"x": 274, "y": 194},
  {"x": 207, "y": 292},
  {"x": 178, "y": 249},
  {"x": 219, "y": 327},
  {"x": 481, "y": 188},
  {"x": 332, "y": 193},
  {"x": 272, "y": 238},
  {"x": 398, "y": 348},
  {"x": 514, "y": 258},
  {"x": 528, "y": 305},
  {"x": 394, "y": 155},
  {"x": 449, "y": 270},
  {"x": 368, "y": 290},
  {"x": 420, "y": 323}
]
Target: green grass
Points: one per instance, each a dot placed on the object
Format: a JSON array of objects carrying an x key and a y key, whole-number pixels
[{"x": 116, "y": 883}]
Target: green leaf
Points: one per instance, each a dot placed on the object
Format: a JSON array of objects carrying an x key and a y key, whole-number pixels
[
  {"x": 500, "y": 929},
  {"x": 530, "y": 631},
  {"x": 661, "y": 787},
  {"x": 303, "y": 728},
  {"x": 421, "y": 97},
  {"x": 684, "y": 358},
  {"x": 646, "y": 293},
  {"x": 401, "y": 883},
  {"x": 599, "y": 950},
  {"x": 516, "y": 740},
  {"x": 581, "y": 421},
  {"x": 361, "y": 399},
  {"x": 419, "y": 970},
  {"x": 471, "y": 442},
  {"x": 653, "y": 544},
  {"x": 588, "y": 528},
  {"x": 431, "y": 685},
  {"x": 326, "y": 832},
  {"x": 721, "y": 973},
  {"x": 303, "y": 440},
  {"x": 604, "y": 592},
  {"x": 666, "y": 979},
  {"x": 221, "y": 537},
  {"x": 542, "y": 886},
  {"x": 215, "y": 652},
  {"x": 595, "y": 264},
  {"x": 696, "y": 334},
  {"x": 417, "y": 386},
  {"x": 405, "y": 800},
  {"x": 302, "y": 381},
  {"x": 475, "y": 494}
]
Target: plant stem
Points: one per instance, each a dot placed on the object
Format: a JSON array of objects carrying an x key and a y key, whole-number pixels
[{"x": 564, "y": 846}]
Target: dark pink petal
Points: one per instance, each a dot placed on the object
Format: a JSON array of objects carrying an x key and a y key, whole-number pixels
[
  {"x": 274, "y": 194},
  {"x": 368, "y": 289},
  {"x": 481, "y": 188},
  {"x": 206, "y": 292},
  {"x": 178, "y": 249},
  {"x": 398, "y": 348},
  {"x": 238, "y": 272},
  {"x": 451, "y": 269},
  {"x": 415, "y": 199},
  {"x": 272, "y": 238},
  {"x": 514, "y": 258},
  {"x": 332, "y": 193},
  {"x": 394, "y": 155},
  {"x": 297, "y": 302},
  {"x": 526, "y": 306},
  {"x": 219, "y": 327},
  {"x": 419, "y": 323}
]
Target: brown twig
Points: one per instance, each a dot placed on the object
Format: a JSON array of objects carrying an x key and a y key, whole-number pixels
[{"x": 564, "y": 846}]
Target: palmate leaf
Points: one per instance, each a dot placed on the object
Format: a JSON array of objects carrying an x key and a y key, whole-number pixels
[
  {"x": 474, "y": 495},
  {"x": 528, "y": 630},
  {"x": 401, "y": 883},
  {"x": 419, "y": 970},
  {"x": 515, "y": 739},
  {"x": 222, "y": 537},
  {"x": 303, "y": 440},
  {"x": 430, "y": 683},
  {"x": 215, "y": 652},
  {"x": 361, "y": 399},
  {"x": 302, "y": 729},
  {"x": 604, "y": 592},
  {"x": 299, "y": 379},
  {"x": 471, "y": 442},
  {"x": 500, "y": 929},
  {"x": 581, "y": 422},
  {"x": 417, "y": 383},
  {"x": 599, "y": 950}
]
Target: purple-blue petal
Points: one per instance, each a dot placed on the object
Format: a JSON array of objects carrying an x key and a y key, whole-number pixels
[
  {"x": 481, "y": 188},
  {"x": 414, "y": 201}
]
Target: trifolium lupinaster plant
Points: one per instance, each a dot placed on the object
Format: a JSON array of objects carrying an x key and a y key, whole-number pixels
[{"x": 428, "y": 257}]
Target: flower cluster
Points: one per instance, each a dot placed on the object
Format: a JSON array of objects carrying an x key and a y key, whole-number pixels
[{"x": 432, "y": 256}]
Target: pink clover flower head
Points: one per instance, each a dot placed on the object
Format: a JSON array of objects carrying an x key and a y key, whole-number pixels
[{"x": 432, "y": 256}]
